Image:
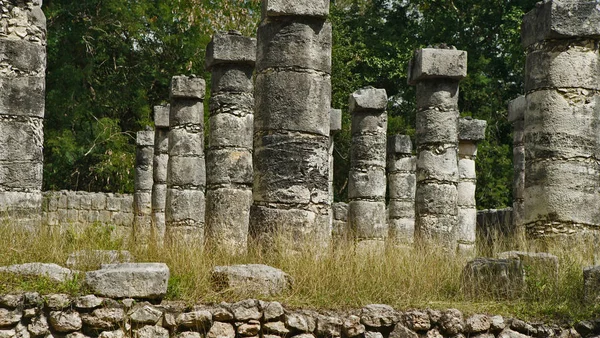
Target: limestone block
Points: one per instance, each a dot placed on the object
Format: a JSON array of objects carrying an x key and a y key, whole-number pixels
[
  {"x": 186, "y": 112},
  {"x": 335, "y": 120},
  {"x": 159, "y": 170},
  {"x": 302, "y": 104},
  {"x": 230, "y": 47},
  {"x": 368, "y": 151},
  {"x": 434, "y": 63},
  {"x": 152, "y": 332},
  {"x": 516, "y": 109},
  {"x": 24, "y": 56},
  {"x": 439, "y": 165},
  {"x": 98, "y": 201},
  {"x": 187, "y": 171},
  {"x": 187, "y": 87},
  {"x": 65, "y": 322},
  {"x": 536, "y": 264},
  {"x": 367, "y": 183},
  {"x": 402, "y": 164},
  {"x": 402, "y": 186},
  {"x": 493, "y": 277},
  {"x": 261, "y": 279},
  {"x": 434, "y": 126},
  {"x": 402, "y": 230},
  {"x": 228, "y": 166},
  {"x": 367, "y": 219},
  {"x": 297, "y": 225},
  {"x": 401, "y": 209},
  {"x": 314, "y": 8},
  {"x": 364, "y": 124},
  {"x": 429, "y": 199},
  {"x": 466, "y": 169},
  {"x": 143, "y": 178},
  {"x": 227, "y": 218},
  {"x": 113, "y": 203},
  {"x": 15, "y": 200},
  {"x": 238, "y": 104},
  {"x": 471, "y": 130},
  {"x": 467, "y": 223},
  {"x": 561, "y": 124},
  {"x": 367, "y": 100},
  {"x": 145, "y": 138},
  {"x": 53, "y": 272},
  {"x": 82, "y": 258},
  {"x": 159, "y": 197},
  {"x": 21, "y": 140},
  {"x": 192, "y": 233},
  {"x": 591, "y": 284},
  {"x": 129, "y": 280},
  {"x": 185, "y": 143},
  {"x": 557, "y": 19},
  {"x": 437, "y": 230},
  {"x": 232, "y": 78},
  {"x": 441, "y": 94},
  {"x": 340, "y": 211},
  {"x": 291, "y": 168},
  {"x": 552, "y": 189},
  {"x": 566, "y": 64},
  {"x": 301, "y": 43},
  {"x": 185, "y": 205},
  {"x": 467, "y": 150},
  {"x": 400, "y": 144},
  {"x": 22, "y": 96},
  {"x": 161, "y": 116},
  {"x": 234, "y": 131},
  {"x": 466, "y": 193},
  {"x": 143, "y": 203},
  {"x": 21, "y": 175}
]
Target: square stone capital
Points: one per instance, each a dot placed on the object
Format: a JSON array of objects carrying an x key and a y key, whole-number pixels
[
  {"x": 435, "y": 63},
  {"x": 471, "y": 130},
  {"x": 161, "y": 116},
  {"x": 335, "y": 120},
  {"x": 561, "y": 19},
  {"x": 368, "y": 99},
  {"x": 145, "y": 138},
  {"x": 230, "y": 47},
  {"x": 314, "y": 8},
  {"x": 188, "y": 87},
  {"x": 516, "y": 109},
  {"x": 400, "y": 144}
]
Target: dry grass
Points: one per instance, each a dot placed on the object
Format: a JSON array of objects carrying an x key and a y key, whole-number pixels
[{"x": 338, "y": 279}]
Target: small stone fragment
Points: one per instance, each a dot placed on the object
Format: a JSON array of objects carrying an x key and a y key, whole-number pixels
[
  {"x": 452, "y": 322},
  {"x": 221, "y": 330},
  {"x": 65, "y": 321}
]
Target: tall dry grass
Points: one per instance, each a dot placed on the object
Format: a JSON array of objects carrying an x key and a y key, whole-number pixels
[{"x": 339, "y": 278}]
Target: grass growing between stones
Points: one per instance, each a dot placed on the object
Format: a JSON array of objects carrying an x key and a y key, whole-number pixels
[{"x": 338, "y": 279}]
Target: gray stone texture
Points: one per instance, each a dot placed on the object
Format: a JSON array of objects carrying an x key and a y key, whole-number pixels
[
  {"x": 340, "y": 222},
  {"x": 292, "y": 123},
  {"x": 436, "y": 73},
  {"x": 489, "y": 277},
  {"x": 263, "y": 280},
  {"x": 229, "y": 176},
  {"x": 53, "y": 272},
  {"x": 402, "y": 183},
  {"x": 470, "y": 132},
  {"x": 560, "y": 189},
  {"x": 591, "y": 284},
  {"x": 129, "y": 280},
  {"x": 516, "y": 116},
  {"x": 22, "y": 103},
  {"x": 144, "y": 181},
  {"x": 335, "y": 126},
  {"x": 367, "y": 178},
  {"x": 186, "y": 169},
  {"x": 159, "y": 171}
]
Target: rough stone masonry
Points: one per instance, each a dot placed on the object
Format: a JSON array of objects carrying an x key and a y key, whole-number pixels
[
  {"x": 159, "y": 172},
  {"x": 437, "y": 73},
  {"x": 22, "y": 102},
  {"x": 230, "y": 58},
  {"x": 402, "y": 183},
  {"x": 186, "y": 173},
  {"x": 562, "y": 85},
  {"x": 291, "y": 126},
  {"x": 144, "y": 180}
]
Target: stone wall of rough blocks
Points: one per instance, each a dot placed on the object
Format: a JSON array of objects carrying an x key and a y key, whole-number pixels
[
  {"x": 84, "y": 208},
  {"x": 30, "y": 314}
]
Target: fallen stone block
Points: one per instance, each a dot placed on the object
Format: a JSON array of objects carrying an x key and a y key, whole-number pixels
[
  {"x": 82, "y": 258},
  {"x": 53, "y": 272},
  {"x": 496, "y": 278},
  {"x": 261, "y": 279},
  {"x": 129, "y": 280},
  {"x": 535, "y": 264},
  {"x": 591, "y": 284}
]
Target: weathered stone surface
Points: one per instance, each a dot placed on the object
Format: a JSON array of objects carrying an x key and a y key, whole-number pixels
[
  {"x": 366, "y": 100},
  {"x": 233, "y": 79},
  {"x": 433, "y": 63},
  {"x": 400, "y": 144},
  {"x": 271, "y": 310},
  {"x": 187, "y": 87},
  {"x": 471, "y": 130},
  {"x": 313, "y": 8},
  {"x": 229, "y": 166},
  {"x": 151, "y": 332},
  {"x": 82, "y": 258},
  {"x": 400, "y": 331},
  {"x": 145, "y": 314},
  {"x": 277, "y": 328},
  {"x": 299, "y": 43},
  {"x": 227, "y": 218},
  {"x": 535, "y": 263},
  {"x": 261, "y": 279},
  {"x": 439, "y": 96},
  {"x": 508, "y": 333},
  {"x": 494, "y": 277},
  {"x": 230, "y": 47},
  {"x": 238, "y": 130},
  {"x": 378, "y": 315},
  {"x": 65, "y": 321},
  {"x": 250, "y": 329},
  {"x": 591, "y": 284},
  {"x": 161, "y": 116},
  {"x": 221, "y": 330},
  {"x": 39, "y": 326},
  {"x": 11, "y": 301},
  {"x": 367, "y": 183},
  {"x": 185, "y": 207},
  {"x": 300, "y": 322},
  {"x": 557, "y": 19},
  {"x": 439, "y": 165},
  {"x": 303, "y": 103},
  {"x": 201, "y": 319},
  {"x": 477, "y": 323},
  {"x": 129, "y": 280},
  {"x": 9, "y": 318},
  {"x": 367, "y": 219},
  {"x": 53, "y": 272},
  {"x": 22, "y": 96},
  {"x": 452, "y": 322},
  {"x": 328, "y": 326},
  {"x": 186, "y": 112},
  {"x": 335, "y": 120},
  {"x": 417, "y": 320},
  {"x": 57, "y": 301},
  {"x": 427, "y": 201},
  {"x": 352, "y": 326}
]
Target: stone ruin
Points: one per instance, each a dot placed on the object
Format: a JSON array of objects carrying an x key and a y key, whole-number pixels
[{"x": 267, "y": 171}]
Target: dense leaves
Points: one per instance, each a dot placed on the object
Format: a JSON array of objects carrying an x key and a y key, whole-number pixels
[{"x": 110, "y": 61}]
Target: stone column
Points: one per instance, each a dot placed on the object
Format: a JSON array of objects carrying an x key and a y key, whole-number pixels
[
  {"x": 186, "y": 173},
  {"x": 562, "y": 85},
  {"x": 161, "y": 161},
  {"x": 437, "y": 73},
  {"x": 516, "y": 116},
  {"x": 367, "y": 180},
  {"x": 22, "y": 104},
  {"x": 335, "y": 126},
  {"x": 144, "y": 180},
  {"x": 402, "y": 183},
  {"x": 230, "y": 58},
  {"x": 291, "y": 127},
  {"x": 470, "y": 132}
]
